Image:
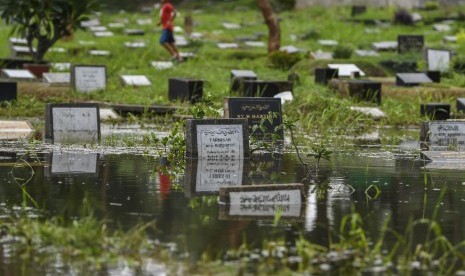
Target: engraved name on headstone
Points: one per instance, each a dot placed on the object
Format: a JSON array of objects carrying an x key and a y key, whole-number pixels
[
  {"x": 445, "y": 135},
  {"x": 88, "y": 78}
]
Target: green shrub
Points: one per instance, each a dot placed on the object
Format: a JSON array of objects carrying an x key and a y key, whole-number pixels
[
  {"x": 430, "y": 5},
  {"x": 342, "y": 52},
  {"x": 283, "y": 60}
]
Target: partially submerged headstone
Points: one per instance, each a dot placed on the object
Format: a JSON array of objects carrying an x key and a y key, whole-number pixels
[
  {"x": 412, "y": 79},
  {"x": 57, "y": 78},
  {"x": 262, "y": 201},
  {"x": 365, "y": 90},
  {"x": 254, "y": 110},
  {"x": 448, "y": 160},
  {"x": 14, "y": 130},
  {"x": 410, "y": 43},
  {"x": 18, "y": 74},
  {"x": 323, "y": 75},
  {"x": 88, "y": 78},
  {"x": 135, "y": 80},
  {"x": 72, "y": 123},
  {"x": 8, "y": 91},
  {"x": 238, "y": 77},
  {"x": 73, "y": 162},
  {"x": 346, "y": 70},
  {"x": 435, "y": 111},
  {"x": 185, "y": 89},
  {"x": 217, "y": 139},
  {"x": 438, "y": 60},
  {"x": 443, "y": 135}
]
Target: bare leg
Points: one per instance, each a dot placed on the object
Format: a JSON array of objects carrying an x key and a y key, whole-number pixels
[
  {"x": 176, "y": 52},
  {"x": 169, "y": 48}
]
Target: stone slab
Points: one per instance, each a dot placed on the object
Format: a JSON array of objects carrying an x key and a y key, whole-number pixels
[
  {"x": 57, "y": 78},
  {"x": 143, "y": 22},
  {"x": 74, "y": 162},
  {"x": 104, "y": 34},
  {"x": 262, "y": 88},
  {"x": 136, "y": 44},
  {"x": 447, "y": 160},
  {"x": 346, "y": 70},
  {"x": 290, "y": 49},
  {"x": 255, "y": 44},
  {"x": 263, "y": 194},
  {"x": 17, "y": 41},
  {"x": 63, "y": 66},
  {"x": 185, "y": 89},
  {"x": 227, "y": 45},
  {"x": 443, "y": 135},
  {"x": 320, "y": 55},
  {"x": 15, "y": 130},
  {"x": 90, "y": 23},
  {"x": 327, "y": 42},
  {"x": 8, "y": 91},
  {"x": 450, "y": 38},
  {"x": 238, "y": 77},
  {"x": 72, "y": 123},
  {"x": 162, "y": 65},
  {"x": 385, "y": 45},
  {"x": 442, "y": 28},
  {"x": 116, "y": 25},
  {"x": 438, "y": 60},
  {"x": 101, "y": 53},
  {"x": 134, "y": 32},
  {"x": 18, "y": 74},
  {"x": 98, "y": 29},
  {"x": 88, "y": 78},
  {"x": 231, "y": 26},
  {"x": 412, "y": 79},
  {"x": 135, "y": 80},
  {"x": 217, "y": 139},
  {"x": 366, "y": 53}
]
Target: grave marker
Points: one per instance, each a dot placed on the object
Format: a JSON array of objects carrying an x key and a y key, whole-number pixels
[
  {"x": 135, "y": 80},
  {"x": 450, "y": 38},
  {"x": 345, "y": 70},
  {"x": 231, "y": 26},
  {"x": 320, "y": 55},
  {"x": 88, "y": 78},
  {"x": 290, "y": 49},
  {"x": 444, "y": 135},
  {"x": 57, "y": 78},
  {"x": 137, "y": 44},
  {"x": 410, "y": 43},
  {"x": 20, "y": 51},
  {"x": 366, "y": 53},
  {"x": 103, "y": 34},
  {"x": 72, "y": 123},
  {"x": 461, "y": 104},
  {"x": 217, "y": 139},
  {"x": 8, "y": 91},
  {"x": 162, "y": 65},
  {"x": 74, "y": 162},
  {"x": 18, "y": 74},
  {"x": 238, "y": 76},
  {"x": 323, "y": 75},
  {"x": 358, "y": 9},
  {"x": 411, "y": 79},
  {"x": 385, "y": 46},
  {"x": 17, "y": 41},
  {"x": 101, "y": 53},
  {"x": 438, "y": 60},
  {"x": 227, "y": 45},
  {"x": 256, "y": 44},
  {"x": 185, "y": 89},
  {"x": 90, "y": 23},
  {"x": 14, "y": 130},
  {"x": 327, "y": 42},
  {"x": 435, "y": 111},
  {"x": 134, "y": 32},
  {"x": 98, "y": 29},
  {"x": 254, "y": 110},
  {"x": 365, "y": 90}
]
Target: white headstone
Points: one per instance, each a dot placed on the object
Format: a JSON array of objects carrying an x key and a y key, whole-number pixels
[
  {"x": 445, "y": 135},
  {"x": 12, "y": 130},
  {"x": 346, "y": 70},
  {"x": 73, "y": 162},
  {"x": 75, "y": 124},
  {"x": 61, "y": 66},
  {"x": 181, "y": 41},
  {"x": 196, "y": 35},
  {"x": 257, "y": 44},
  {"x": 116, "y": 25},
  {"x": 136, "y": 80},
  {"x": 57, "y": 50},
  {"x": 385, "y": 45},
  {"x": 442, "y": 27},
  {"x": 450, "y": 38},
  {"x": 108, "y": 114},
  {"x": 220, "y": 142},
  {"x": 86, "y": 43},
  {"x": 90, "y": 23},
  {"x": 320, "y": 55},
  {"x": 18, "y": 41},
  {"x": 88, "y": 78},
  {"x": 366, "y": 53},
  {"x": 438, "y": 60},
  {"x": 162, "y": 65},
  {"x": 57, "y": 78},
  {"x": 98, "y": 28},
  {"x": 227, "y": 45},
  {"x": 18, "y": 74},
  {"x": 373, "y": 112},
  {"x": 103, "y": 34},
  {"x": 212, "y": 175},
  {"x": 178, "y": 29},
  {"x": 289, "y": 49},
  {"x": 142, "y": 22}
]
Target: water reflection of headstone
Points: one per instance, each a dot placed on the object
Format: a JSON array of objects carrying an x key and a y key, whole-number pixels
[
  {"x": 73, "y": 162},
  {"x": 443, "y": 135},
  {"x": 264, "y": 167},
  {"x": 262, "y": 202},
  {"x": 204, "y": 177},
  {"x": 72, "y": 123}
]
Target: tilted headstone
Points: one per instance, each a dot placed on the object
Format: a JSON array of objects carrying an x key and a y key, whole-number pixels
[
  {"x": 185, "y": 89},
  {"x": 461, "y": 104},
  {"x": 135, "y": 80},
  {"x": 8, "y": 91},
  {"x": 346, "y": 70},
  {"x": 261, "y": 88},
  {"x": 57, "y": 78},
  {"x": 412, "y": 79},
  {"x": 254, "y": 110},
  {"x": 73, "y": 162},
  {"x": 435, "y": 111},
  {"x": 88, "y": 78},
  {"x": 18, "y": 74},
  {"x": 410, "y": 43},
  {"x": 443, "y": 135},
  {"x": 365, "y": 90},
  {"x": 238, "y": 77},
  {"x": 323, "y": 75},
  {"x": 262, "y": 201},
  {"x": 438, "y": 60},
  {"x": 72, "y": 123},
  {"x": 217, "y": 139},
  {"x": 204, "y": 177}
]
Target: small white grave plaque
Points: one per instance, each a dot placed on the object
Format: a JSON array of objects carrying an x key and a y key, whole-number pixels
[
  {"x": 18, "y": 41},
  {"x": 181, "y": 41},
  {"x": 102, "y": 53},
  {"x": 98, "y": 28},
  {"x": 220, "y": 142},
  {"x": 57, "y": 78},
  {"x": 61, "y": 66},
  {"x": 231, "y": 26},
  {"x": 142, "y": 22},
  {"x": 450, "y": 38},
  {"x": 438, "y": 60},
  {"x": 136, "y": 80},
  {"x": 116, "y": 25},
  {"x": 385, "y": 45},
  {"x": 18, "y": 74},
  {"x": 88, "y": 78},
  {"x": 256, "y": 44},
  {"x": 228, "y": 45},
  {"x": 442, "y": 27},
  {"x": 162, "y": 65},
  {"x": 90, "y": 23},
  {"x": 346, "y": 70},
  {"x": 289, "y": 49},
  {"x": 103, "y": 34},
  {"x": 320, "y": 55},
  {"x": 12, "y": 130},
  {"x": 447, "y": 135},
  {"x": 212, "y": 175},
  {"x": 73, "y": 162},
  {"x": 137, "y": 44},
  {"x": 74, "y": 124},
  {"x": 327, "y": 42}
]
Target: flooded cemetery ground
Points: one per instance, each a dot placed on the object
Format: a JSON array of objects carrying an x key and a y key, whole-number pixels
[{"x": 362, "y": 198}]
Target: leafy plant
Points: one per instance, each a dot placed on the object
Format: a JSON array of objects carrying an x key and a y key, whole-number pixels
[
  {"x": 342, "y": 52},
  {"x": 283, "y": 60},
  {"x": 44, "y": 22}
]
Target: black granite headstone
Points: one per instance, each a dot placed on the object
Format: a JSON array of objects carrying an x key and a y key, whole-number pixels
[
  {"x": 365, "y": 90},
  {"x": 358, "y": 9},
  {"x": 410, "y": 43},
  {"x": 255, "y": 109},
  {"x": 435, "y": 111},
  {"x": 323, "y": 75},
  {"x": 461, "y": 104},
  {"x": 260, "y": 88},
  {"x": 412, "y": 79},
  {"x": 238, "y": 76},
  {"x": 185, "y": 89},
  {"x": 435, "y": 76},
  {"x": 8, "y": 91}
]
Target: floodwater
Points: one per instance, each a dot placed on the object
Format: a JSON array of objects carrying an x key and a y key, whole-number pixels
[{"x": 130, "y": 188}]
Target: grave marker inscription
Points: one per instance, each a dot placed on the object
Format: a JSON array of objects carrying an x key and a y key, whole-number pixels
[
  {"x": 88, "y": 78},
  {"x": 410, "y": 43}
]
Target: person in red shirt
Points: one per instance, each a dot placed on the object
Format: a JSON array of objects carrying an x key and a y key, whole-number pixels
[{"x": 167, "y": 16}]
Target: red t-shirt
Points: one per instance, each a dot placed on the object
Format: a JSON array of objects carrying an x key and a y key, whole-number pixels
[{"x": 166, "y": 13}]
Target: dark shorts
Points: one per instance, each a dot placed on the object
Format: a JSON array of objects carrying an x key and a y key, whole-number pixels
[{"x": 166, "y": 37}]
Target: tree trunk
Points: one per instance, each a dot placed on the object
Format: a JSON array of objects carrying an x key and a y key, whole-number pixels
[{"x": 274, "y": 32}]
